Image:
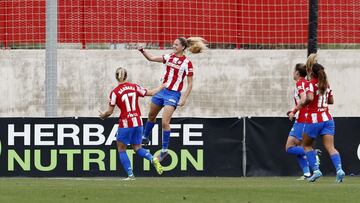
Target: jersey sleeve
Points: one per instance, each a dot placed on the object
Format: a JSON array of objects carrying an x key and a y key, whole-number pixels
[
  {"x": 140, "y": 91},
  {"x": 309, "y": 88},
  {"x": 165, "y": 58},
  {"x": 190, "y": 69},
  {"x": 112, "y": 100},
  {"x": 300, "y": 86}
]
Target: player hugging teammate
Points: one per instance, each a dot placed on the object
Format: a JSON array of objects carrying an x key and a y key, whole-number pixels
[{"x": 318, "y": 120}]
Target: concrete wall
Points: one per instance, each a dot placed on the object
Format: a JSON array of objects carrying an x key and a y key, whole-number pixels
[{"x": 227, "y": 82}]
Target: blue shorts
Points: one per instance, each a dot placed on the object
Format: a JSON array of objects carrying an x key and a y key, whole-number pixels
[
  {"x": 129, "y": 135},
  {"x": 166, "y": 98},
  {"x": 297, "y": 130},
  {"x": 324, "y": 128}
]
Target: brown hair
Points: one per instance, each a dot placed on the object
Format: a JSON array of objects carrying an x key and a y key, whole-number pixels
[
  {"x": 121, "y": 74},
  {"x": 194, "y": 44},
  {"x": 301, "y": 68},
  {"x": 319, "y": 72}
]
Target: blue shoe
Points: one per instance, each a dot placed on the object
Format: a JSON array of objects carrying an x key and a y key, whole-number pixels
[
  {"x": 162, "y": 155},
  {"x": 316, "y": 175},
  {"x": 145, "y": 141},
  {"x": 340, "y": 174}
]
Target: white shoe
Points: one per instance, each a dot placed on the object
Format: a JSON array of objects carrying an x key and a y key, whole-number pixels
[
  {"x": 129, "y": 178},
  {"x": 303, "y": 177}
]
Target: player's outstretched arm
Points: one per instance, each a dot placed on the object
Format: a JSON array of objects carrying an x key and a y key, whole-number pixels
[
  {"x": 150, "y": 57},
  {"x": 107, "y": 113},
  {"x": 155, "y": 90}
]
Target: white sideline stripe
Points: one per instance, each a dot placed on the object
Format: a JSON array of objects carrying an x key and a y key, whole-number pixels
[
  {"x": 94, "y": 178},
  {"x": 65, "y": 178}
]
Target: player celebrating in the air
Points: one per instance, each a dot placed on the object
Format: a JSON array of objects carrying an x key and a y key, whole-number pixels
[
  {"x": 320, "y": 122},
  {"x": 177, "y": 66},
  {"x": 293, "y": 143},
  {"x": 126, "y": 96}
]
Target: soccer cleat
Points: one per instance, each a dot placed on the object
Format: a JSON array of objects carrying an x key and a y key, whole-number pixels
[
  {"x": 145, "y": 141},
  {"x": 157, "y": 165},
  {"x": 129, "y": 178},
  {"x": 162, "y": 156},
  {"x": 303, "y": 177},
  {"x": 340, "y": 174},
  {"x": 316, "y": 175}
]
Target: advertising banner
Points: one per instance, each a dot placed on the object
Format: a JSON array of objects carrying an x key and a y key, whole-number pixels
[
  {"x": 266, "y": 156},
  {"x": 86, "y": 147},
  {"x": 76, "y": 147}
]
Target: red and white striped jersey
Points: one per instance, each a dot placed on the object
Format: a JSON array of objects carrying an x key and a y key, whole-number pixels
[
  {"x": 126, "y": 97},
  {"x": 176, "y": 70},
  {"x": 318, "y": 110},
  {"x": 301, "y": 84}
]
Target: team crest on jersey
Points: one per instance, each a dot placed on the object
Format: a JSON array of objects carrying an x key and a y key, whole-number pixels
[
  {"x": 173, "y": 65},
  {"x": 179, "y": 62}
]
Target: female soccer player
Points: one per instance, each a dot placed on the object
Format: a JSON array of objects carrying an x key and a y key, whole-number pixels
[
  {"x": 177, "y": 66},
  {"x": 320, "y": 122},
  {"x": 126, "y": 96},
  {"x": 293, "y": 143}
]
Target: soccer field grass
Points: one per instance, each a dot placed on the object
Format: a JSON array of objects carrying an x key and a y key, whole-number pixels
[{"x": 260, "y": 189}]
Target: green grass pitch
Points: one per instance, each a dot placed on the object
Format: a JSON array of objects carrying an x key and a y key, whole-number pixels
[{"x": 181, "y": 189}]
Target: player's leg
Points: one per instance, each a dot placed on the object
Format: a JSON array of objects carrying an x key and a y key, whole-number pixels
[
  {"x": 136, "y": 145},
  {"x": 135, "y": 142},
  {"x": 328, "y": 141},
  {"x": 328, "y": 133},
  {"x": 157, "y": 102},
  {"x": 171, "y": 100},
  {"x": 155, "y": 107},
  {"x": 293, "y": 146},
  {"x": 309, "y": 135},
  {"x": 123, "y": 139},
  {"x": 311, "y": 157},
  {"x": 166, "y": 131},
  {"x": 144, "y": 153},
  {"x": 147, "y": 155}
]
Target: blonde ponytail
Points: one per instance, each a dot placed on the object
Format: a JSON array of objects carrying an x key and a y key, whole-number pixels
[
  {"x": 196, "y": 44},
  {"x": 121, "y": 74},
  {"x": 311, "y": 60}
]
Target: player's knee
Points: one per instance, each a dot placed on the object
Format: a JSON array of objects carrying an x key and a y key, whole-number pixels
[
  {"x": 165, "y": 125},
  {"x": 136, "y": 147},
  {"x": 307, "y": 148},
  {"x": 330, "y": 149},
  {"x": 121, "y": 146},
  {"x": 291, "y": 142},
  {"x": 152, "y": 117}
]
